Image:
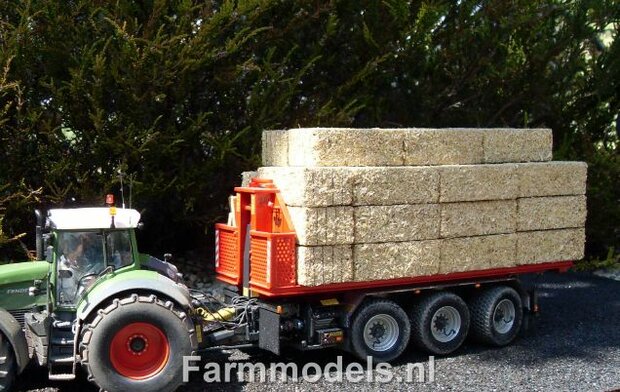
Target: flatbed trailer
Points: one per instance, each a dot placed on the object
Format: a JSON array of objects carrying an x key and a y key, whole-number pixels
[{"x": 256, "y": 259}]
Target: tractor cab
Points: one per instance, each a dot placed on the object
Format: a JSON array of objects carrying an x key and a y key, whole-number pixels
[{"x": 87, "y": 244}]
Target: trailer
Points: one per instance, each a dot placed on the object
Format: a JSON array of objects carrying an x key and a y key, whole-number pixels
[{"x": 256, "y": 258}]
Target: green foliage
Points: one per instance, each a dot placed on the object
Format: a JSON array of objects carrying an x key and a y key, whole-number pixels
[
  {"x": 175, "y": 94},
  {"x": 611, "y": 261}
]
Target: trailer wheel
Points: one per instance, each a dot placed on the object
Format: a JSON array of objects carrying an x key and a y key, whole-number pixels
[
  {"x": 137, "y": 344},
  {"x": 380, "y": 329},
  {"x": 439, "y": 323},
  {"x": 497, "y": 314},
  {"x": 7, "y": 364}
]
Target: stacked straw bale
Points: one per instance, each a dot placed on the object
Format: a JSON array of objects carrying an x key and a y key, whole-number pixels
[{"x": 373, "y": 204}]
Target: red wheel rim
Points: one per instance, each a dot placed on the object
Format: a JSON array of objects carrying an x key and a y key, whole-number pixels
[{"x": 139, "y": 351}]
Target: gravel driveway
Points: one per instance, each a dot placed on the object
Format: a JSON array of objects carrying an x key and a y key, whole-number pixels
[{"x": 574, "y": 345}]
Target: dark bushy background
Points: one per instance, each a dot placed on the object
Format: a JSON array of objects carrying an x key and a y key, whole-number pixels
[{"x": 175, "y": 94}]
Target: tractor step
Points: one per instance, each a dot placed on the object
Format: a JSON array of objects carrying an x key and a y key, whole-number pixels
[
  {"x": 60, "y": 324},
  {"x": 63, "y": 342},
  {"x": 61, "y": 377},
  {"x": 63, "y": 360}
]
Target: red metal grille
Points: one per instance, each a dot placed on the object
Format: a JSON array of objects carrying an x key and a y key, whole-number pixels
[
  {"x": 226, "y": 254},
  {"x": 273, "y": 264}
]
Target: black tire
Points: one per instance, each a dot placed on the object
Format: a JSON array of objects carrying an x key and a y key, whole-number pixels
[
  {"x": 439, "y": 323},
  {"x": 384, "y": 321},
  {"x": 492, "y": 323},
  {"x": 99, "y": 338},
  {"x": 7, "y": 364}
]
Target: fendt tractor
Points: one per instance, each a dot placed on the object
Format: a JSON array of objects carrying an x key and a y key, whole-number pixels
[{"x": 93, "y": 301}]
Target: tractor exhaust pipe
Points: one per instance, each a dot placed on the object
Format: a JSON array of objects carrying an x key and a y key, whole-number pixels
[{"x": 39, "y": 234}]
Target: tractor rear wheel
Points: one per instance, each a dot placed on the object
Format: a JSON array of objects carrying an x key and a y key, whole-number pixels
[
  {"x": 7, "y": 364},
  {"x": 137, "y": 344}
]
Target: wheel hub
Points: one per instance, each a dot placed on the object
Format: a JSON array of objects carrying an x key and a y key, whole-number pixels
[
  {"x": 504, "y": 316},
  {"x": 446, "y": 324},
  {"x": 137, "y": 344},
  {"x": 381, "y": 332},
  {"x": 377, "y": 331}
]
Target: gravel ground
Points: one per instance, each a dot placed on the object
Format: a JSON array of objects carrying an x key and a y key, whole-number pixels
[{"x": 573, "y": 345}]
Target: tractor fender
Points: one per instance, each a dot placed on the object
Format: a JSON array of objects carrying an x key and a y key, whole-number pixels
[
  {"x": 13, "y": 332},
  {"x": 131, "y": 282}
]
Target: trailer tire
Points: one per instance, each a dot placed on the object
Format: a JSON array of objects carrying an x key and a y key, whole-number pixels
[
  {"x": 7, "y": 364},
  {"x": 497, "y": 314},
  {"x": 439, "y": 322},
  {"x": 137, "y": 344},
  {"x": 380, "y": 329}
]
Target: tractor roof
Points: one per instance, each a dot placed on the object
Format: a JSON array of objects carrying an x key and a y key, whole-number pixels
[{"x": 92, "y": 218}]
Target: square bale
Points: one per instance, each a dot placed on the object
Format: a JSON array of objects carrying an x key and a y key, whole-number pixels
[
  {"x": 517, "y": 145},
  {"x": 396, "y": 223},
  {"x": 275, "y": 148},
  {"x": 478, "y": 218},
  {"x": 318, "y": 265},
  {"x": 395, "y": 260},
  {"x": 554, "y": 212},
  {"x": 395, "y": 185},
  {"x": 550, "y": 245},
  {"x": 310, "y": 147},
  {"x": 552, "y": 178},
  {"x": 478, "y": 182},
  {"x": 450, "y": 146},
  {"x": 323, "y": 225},
  {"x": 477, "y": 253},
  {"x": 312, "y": 187}
]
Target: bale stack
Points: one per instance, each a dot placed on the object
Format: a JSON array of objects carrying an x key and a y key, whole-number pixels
[{"x": 373, "y": 204}]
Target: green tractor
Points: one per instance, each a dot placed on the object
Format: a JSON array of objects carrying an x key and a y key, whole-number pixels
[{"x": 94, "y": 301}]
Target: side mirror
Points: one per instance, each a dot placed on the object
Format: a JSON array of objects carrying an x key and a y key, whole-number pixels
[{"x": 49, "y": 254}]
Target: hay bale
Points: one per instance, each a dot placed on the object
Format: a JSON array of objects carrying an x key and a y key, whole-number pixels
[
  {"x": 550, "y": 245},
  {"x": 478, "y": 182},
  {"x": 396, "y": 223},
  {"x": 517, "y": 145},
  {"x": 552, "y": 178},
  {"x": 478, "y": 218},
  {"x": 384, "y": 147},
  {"x": 556, "y": 212},
  {"x": 345, "y": 147},
  {"x": 323, "y": 225},
  {"x": 312, "y": 187},
  {"x": 318, "y": 265},
  {"x": 477, "y": 253},
  {"x": 306, "y": 147},
  {"x": 395, "y": 185},
  {"x": 331, "y": 186},
  {"x": 275, "y": 148},
  {"x": 395, "y": 260},
  {"x": 458, "y": 146}
]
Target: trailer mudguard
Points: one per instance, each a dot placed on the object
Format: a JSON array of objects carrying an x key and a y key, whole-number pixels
[
  {"x": 134, "y": 282},
  {"x": 13, "y": 332}
]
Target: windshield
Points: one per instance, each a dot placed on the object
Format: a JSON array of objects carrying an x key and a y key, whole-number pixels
[{"x": 83, "y": 255}]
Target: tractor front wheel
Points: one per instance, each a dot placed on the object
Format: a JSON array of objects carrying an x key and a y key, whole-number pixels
[
  {"x": 7, "y": 364},
  {"x": 137, "y": 344}
]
